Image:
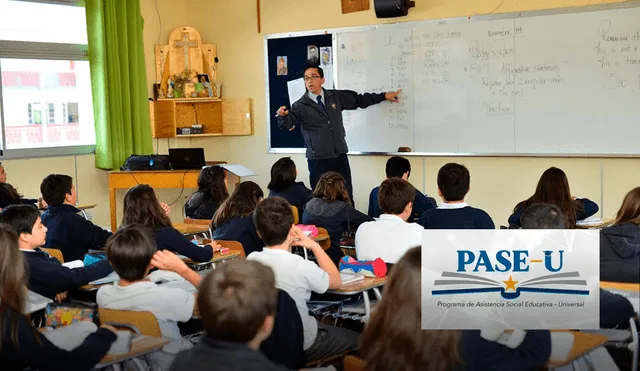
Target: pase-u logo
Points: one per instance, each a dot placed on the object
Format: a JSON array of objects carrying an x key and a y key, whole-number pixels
[{"x": 516, "y": 261}]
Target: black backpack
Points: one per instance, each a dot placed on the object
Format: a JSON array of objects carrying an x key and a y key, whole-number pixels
[{"x": 146, "y": 162}]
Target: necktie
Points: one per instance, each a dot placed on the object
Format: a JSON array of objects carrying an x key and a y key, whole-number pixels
[{"x": 319, "y": 98}]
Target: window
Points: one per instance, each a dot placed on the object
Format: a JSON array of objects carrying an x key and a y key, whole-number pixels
[{"x": 45, "y": 97}]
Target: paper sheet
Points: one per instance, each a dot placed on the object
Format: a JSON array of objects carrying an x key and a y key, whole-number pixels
[
  {"x": 74, "y": 264},
  {"x": 35, "y": 302},
  {"x": 238, "y": 170}
]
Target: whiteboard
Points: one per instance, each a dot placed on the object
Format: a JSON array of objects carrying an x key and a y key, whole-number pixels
[{"x": 561, "y": 84}]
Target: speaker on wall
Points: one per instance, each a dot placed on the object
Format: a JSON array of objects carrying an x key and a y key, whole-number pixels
[{"x": 392, "y": 8}]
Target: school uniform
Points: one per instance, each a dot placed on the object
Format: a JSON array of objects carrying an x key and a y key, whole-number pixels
[
  {"x": 70, "y": 233},
  {"x": 169, "y": 238},
  {"x": 421, "y": 203},
  {"x": 242, "y": 230},
  {"x": 456, "y": 216},
  {"x": 48, "y": 277},
  {"x": 217, "y": 355},
  {"x": 480, "y": 354},
  {"x": 387, "y": 238},
  {"x": 615, "y": 310},
  {"x": 35, "y": 351},
  {"x": 297, "y": 194},
  {"x": 589, "y": 208},
  {"x": 6, "y": 200},
  {"x": 299, "y": 277},
  {"x": 336, "y": 217},
  {"x": 200, "y": 206},
  {"x": 620, "y": 253}
]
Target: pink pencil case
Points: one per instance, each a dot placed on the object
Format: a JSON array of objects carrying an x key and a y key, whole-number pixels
[{"x": 310, "y": 230}]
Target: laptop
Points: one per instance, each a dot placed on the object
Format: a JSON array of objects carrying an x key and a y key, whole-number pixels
[{"x": 186, "y": 158}]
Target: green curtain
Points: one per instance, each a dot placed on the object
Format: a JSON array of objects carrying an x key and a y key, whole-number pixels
[{"x": 118, "y": 81}]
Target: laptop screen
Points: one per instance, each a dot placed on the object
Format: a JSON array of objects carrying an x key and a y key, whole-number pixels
[{"x": 186, "y": 158}]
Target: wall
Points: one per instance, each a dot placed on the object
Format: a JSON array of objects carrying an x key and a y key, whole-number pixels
[{"x": 497, "y": 183}]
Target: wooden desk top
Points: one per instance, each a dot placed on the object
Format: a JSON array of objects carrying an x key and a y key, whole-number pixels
[
  {"x": 79, "y": 207},
  {"x": 139, "y": 347},
  {"x": 620, "y": 286},
  {"x": 191, "y": 228},
  {"x": 217, "y": 257},
  {"x": 359, "y": 286},
  {"x": 583, "y": 343}
]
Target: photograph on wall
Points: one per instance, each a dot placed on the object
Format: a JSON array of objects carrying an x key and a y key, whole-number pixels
[
  {"x": 313, "y": 57},
  {"x": 325, "y": 56},
  {"x": 282, "y": 66}
]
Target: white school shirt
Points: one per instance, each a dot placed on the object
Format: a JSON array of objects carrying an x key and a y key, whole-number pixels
[
  {"x": 387, "y": 238},
  {"x": 298, "y": 277},
  {"x": 168, "y": 305}
]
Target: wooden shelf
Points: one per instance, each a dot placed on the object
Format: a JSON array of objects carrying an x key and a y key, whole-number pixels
[{"x": 218, "y": 117}]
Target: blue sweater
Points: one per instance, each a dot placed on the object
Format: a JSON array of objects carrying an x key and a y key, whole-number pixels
[
  {"x": 615, "y": 310},
  {"x": 72, "y": 234},
  {"x": 200, "y": 206},
  {"x": 588, "y": 208},
  {"x": 169, "y": 238},
  {"x": 37, "y": 352},
  {"x": 421, "y": 203},
  {"x": 296, "y": 194},
  {"x": 464, "y": 218},
  {"x": 480, "y": 354},
  {"x": 241, "y": 230},
  {"x": 48, "y": 277}
]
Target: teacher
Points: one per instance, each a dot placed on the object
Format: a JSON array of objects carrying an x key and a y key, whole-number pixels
[{"x": 319, "y": 113}]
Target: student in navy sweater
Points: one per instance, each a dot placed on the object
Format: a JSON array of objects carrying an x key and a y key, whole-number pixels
[
  {"x": 400, "y": 167},
  {"x": 21, "y": 345},
  {"x": 620, "y": 243},
  {"x": 9, "y": 195},
  {"x": 615, "y": 310},
  {"x": 393, "y": 340},
  {"x": 68, "y": 231},
  {"x": 283, "y": 184},
  {"x": 553, "y": 188},
  {"x": 141, "y": 207},
  {"x": 211, "y": 193},
  {"x": 233, "y": 222},
  {"x": 47, "y": 276},
  {"x": 453, "y": 185},
  {"x": 331, "y": 209}
]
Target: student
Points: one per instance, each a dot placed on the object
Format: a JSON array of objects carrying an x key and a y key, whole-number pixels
[
  {"x": 553, "y": 188},
  {"x": 233, "y": 222},
  {"x": 453, "y": 185},
  {"x": 236, "y": 321},
  {"x": 331, "y": 209},
  {"x": 390, "y": 236},
  {"x": 22, "y": 346},
  {"x": 9, "y": 195},
  {"x": 211, "y": 193},
  {"x": 400, "y": 167},
  {"x": 393, "y": 340},
  {"x": 283, "y": 184},
  {"x": 620, "y": 243},
  {"x": 298, "y": 277},
  {"x": 615, "y": 310},
  {"x": 141, "y": 207},
  {"x": 47, "y": 276},
  {"x": 130, "y": 251},
  {"x": 68, "y": 231}
]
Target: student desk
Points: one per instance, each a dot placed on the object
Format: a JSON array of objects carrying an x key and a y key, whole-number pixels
[
  {"x": 362, "y": 286},
  {"x": 217, "y": 258},
  {"x": 154, "y": 178},
  {"x": 583, "y": 344},
  {"x": 191, "y": 229},
  {"x": 139, "y": 347}
]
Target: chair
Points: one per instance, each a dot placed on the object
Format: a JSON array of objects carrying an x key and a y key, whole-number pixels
[
  {"x": 325, "y": 244},
  {"x": 55, "y": 253},
  {"x": 145, "y": 322},
  {"x": 296, "y": 215},
  {"x": 353, "y": 363},
  {"x": 285, "y": 344}
]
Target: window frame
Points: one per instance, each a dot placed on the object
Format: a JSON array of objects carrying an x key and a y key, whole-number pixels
[{"x": 10, "y": 49}]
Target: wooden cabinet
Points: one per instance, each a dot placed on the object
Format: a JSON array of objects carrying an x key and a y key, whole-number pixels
[{"x": 217, "y": 117}]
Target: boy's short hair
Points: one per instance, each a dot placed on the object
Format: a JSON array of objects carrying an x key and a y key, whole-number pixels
[
  {"x": 273, "y": 219},
  {"x": 394, "y": 195},
  {"x": 55, "y": 187},
  {"x": 21, "y": 218},
  {"x": 235, "y": 299},
  {"x": 130, "y": 250},
  {"x": 397, "y": 166},
  {"x": 453, "y": 181},
  {"x": 542, "y": 216}
]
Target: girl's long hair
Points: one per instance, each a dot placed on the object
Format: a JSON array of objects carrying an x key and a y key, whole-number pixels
[
  {"x": 241, "y": 203},
  {"x": 141, "y": 206},
  {"x": 211, "y": 185},
  {"x": 331, "y": 188},
  {"x": 630, "y": 210}
]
